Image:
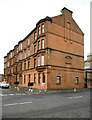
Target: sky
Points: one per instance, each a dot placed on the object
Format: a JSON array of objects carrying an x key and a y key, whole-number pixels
[
  {"x": 19, "y": 17},
  {"x": 91, "y": 27}
]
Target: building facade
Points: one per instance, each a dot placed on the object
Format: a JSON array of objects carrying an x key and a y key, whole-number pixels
[
  {"x": 52, "y": 53},
  {"x": 1, "y": 77},
  {"x": 88, "y": 71}
]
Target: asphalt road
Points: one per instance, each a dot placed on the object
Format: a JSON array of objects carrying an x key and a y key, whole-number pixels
[{"x": 58, "y": 105}]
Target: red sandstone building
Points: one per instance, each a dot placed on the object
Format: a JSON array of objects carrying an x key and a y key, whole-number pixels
[{"x": 52, "y": 53}]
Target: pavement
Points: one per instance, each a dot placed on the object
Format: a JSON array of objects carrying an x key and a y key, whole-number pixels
[{"x": 37, "y": 91}]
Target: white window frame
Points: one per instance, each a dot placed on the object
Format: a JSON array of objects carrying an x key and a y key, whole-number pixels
[
  {"x": 24, "y": 44},
  {"x": 58, "y": 79},
  {"x": 35, "y": 49},
  {"x": 28, "y": 41},
  {"x": 11, "y": 55},
  {"x": 39, "y": 45},
  {"x": 42, "y": 28},
  {"x": 77, "y": 80},
  {"x": 17, "y": 59},
  {"x": 39, "y": 59},
  {"x": 20, "y": 56},
  {"x": 39, "y": 30},
  {"x": 42, "y": 60},
  {"x": 21, "y": 46},
  {"x": 17, "y": 49},
  {"x": 8, "y": 64},
  {"x": 29, "y": 52},
  {"x": 25, "y": 54},
  {"x": 42, "y": 43},
  {"x": 5, "y": 59},
  {"x": 35, "y": 35}
]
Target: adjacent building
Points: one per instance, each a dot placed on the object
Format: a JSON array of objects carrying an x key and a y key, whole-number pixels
[
  {"x": 1, "y": 77},
  {"x": 52, "y": 53},
  {"x": 88, "y": 71}
]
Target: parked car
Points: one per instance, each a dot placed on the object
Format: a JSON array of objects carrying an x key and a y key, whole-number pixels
[{"x": 4, "y": 84}]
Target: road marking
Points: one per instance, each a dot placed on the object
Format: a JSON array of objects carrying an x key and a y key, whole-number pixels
[
  {"x": 23, "y": 94},
  {"x": 18, "y": 94},
  {"x": 10, "y": 94},
  {"x": 3, "y": 95},
  {"x": 5, "y": 105},
  {"x": 75, "y": 97},
  {"x": 0, "y": 94}
]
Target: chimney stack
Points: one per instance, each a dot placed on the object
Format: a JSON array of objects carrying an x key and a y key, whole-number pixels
[{"x": 66, "y": 11}]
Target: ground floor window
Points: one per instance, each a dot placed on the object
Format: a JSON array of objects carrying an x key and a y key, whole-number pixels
[
  {"x": 58, "y": 79},
  {"x": 43, "y": 77},
  {"x": 20, "y": 79},
  {"x": 24, "y": 79},
  {"x": 77, "y": 80},
  {"x": 16, "y": 77},
  {"x": 39, "y": 78},
  {"x": 34, "y": 77},
  {"x": 29, "y": 77}
]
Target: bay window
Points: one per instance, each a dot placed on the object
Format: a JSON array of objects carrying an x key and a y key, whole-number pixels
[
  {"x": 42, "y": 59},
  {"x": 34, "y": 48},
  {"x": 38, "y": 61},
  {"x": 34, "y": 63},
  {"x": 28, "y": 41},
  {"x": 25, "y": 54},
  {"x": 29, "y": 52},
  {"x": 24, "y": 44},
  {"x": 39, "y": 30},
  {"x": 42, "y": 28},
  {"x": 35, "y": 35},
  {"x": 25, "y": 65},
  {"x": 42, "y": 43},
  {"x": 39, "y": 45}
]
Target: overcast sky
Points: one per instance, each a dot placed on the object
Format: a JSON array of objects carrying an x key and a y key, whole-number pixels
[{"x": 19, "y": 17}]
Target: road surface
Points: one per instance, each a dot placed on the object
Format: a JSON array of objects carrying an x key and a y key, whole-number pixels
[{"x": 58, "y": 105}]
